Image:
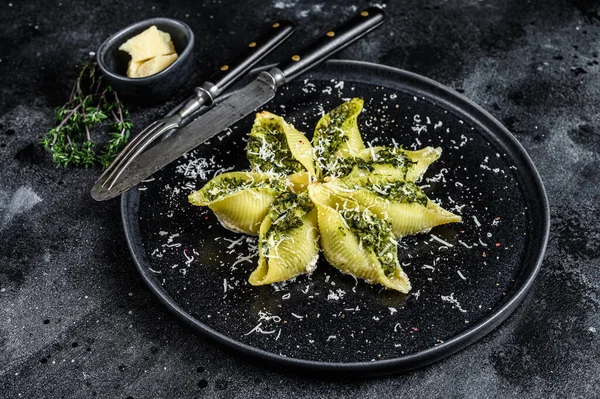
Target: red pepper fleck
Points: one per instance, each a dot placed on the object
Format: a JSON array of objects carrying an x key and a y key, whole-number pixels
[
  {"x": 206, "y": 218},
  {"x": 497, "y": 244},
  {"x": 415, "y": 329}
]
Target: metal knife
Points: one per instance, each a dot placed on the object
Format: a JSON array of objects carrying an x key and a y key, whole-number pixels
[{"x": 242, "y": 103}]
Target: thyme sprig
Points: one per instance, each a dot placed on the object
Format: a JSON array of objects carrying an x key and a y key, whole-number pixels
[{"x": 92, "y": 103}]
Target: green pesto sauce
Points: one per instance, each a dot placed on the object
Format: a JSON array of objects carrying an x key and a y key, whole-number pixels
[
  {"x": 399, "y": 191},
  {"x": 395, "y": 157},
  {"x": 289, "y": 210},
  {"x": 375, "y": 235},
  {"x": 268, "y": 150},
  {"x": 287, "y": 213},
  {"x": 331, "y": 136},
  {"x": 364, "y": 165},
  {"x": 217, "y": 188},
  {"x": 342, "y": 168}
]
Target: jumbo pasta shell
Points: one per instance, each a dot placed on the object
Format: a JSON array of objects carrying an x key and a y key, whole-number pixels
[
  {"x": 409, "y": 211},
  {"x": 344, "y": 246},
  {"x": 394, "y": 162},
  {"x": 275, "y": 146},
  {"x": 337, "y": 136},
  {"x": 244, "y": 211},
  {"x": 296, "y": 253},
  {"x": 240, "y": 200}
]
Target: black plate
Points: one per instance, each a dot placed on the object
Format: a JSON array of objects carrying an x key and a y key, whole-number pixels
[{"x": 329, "y": 322}]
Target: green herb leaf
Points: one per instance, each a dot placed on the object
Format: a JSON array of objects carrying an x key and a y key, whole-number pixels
[{"x": 91, "y": 103}]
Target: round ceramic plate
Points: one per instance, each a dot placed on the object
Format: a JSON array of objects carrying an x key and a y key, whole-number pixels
[{"x": 466, "y": 277}]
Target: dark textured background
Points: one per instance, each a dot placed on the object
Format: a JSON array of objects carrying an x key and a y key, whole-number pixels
[{"x": 76, "y": 319}]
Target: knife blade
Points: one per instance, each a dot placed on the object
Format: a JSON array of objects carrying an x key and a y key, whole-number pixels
[
  {"x": 189, "y": 137},
  {"x": 238, "y": 105}
]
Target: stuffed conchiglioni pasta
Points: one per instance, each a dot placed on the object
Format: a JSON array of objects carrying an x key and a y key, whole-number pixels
[
  {"x": 399, "y": 202},
  {"x": 240, "y": 200},
  {"x": 396, "y": 162},
  {"x": 334, "y": 195},
  {"x": 288, "y": 240},
  {"x": 358, "y": 242},
  {"x": 337, "y": 139},
  {"x": 275, "y": 146}
]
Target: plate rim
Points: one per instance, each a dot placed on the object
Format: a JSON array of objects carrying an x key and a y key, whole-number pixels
[{"x": 400, "y": 363}]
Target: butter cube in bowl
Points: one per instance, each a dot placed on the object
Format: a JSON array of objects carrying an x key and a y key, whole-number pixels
[{"x": 148, "y": 61}]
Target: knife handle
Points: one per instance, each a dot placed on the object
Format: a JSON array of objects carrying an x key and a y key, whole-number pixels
[
  {"x": 230, "y": 72},
  {"x": 333, "y": 41},
  {"x": 255, "y": 51}
]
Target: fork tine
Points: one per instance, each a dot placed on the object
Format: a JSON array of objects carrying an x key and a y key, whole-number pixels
[
  {"x": 128, "y": 147},
  {"x": 140, "y": 147},
  {"x": 127, "y": 154}
]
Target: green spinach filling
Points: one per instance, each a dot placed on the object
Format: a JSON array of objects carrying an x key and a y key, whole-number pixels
[
  {"x": 395, "y": 157},
  {"x": 398, "y": 191},
  {"x": 375, "y": 235},
  {"x": 287, "y": 213},
  {"x": 341, "y": 167},
  {"x": 217, "y": 188},
  {"x": 268, "y": 150},
  {"x": 331, "y": 136}
]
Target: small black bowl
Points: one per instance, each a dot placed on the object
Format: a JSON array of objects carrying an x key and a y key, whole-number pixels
[{"x": 155, "y": 88}]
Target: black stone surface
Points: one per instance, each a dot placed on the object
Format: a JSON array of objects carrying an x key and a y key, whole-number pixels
[{"x": 76, "y": 319}]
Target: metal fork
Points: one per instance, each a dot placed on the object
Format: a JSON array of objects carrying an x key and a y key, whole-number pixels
[
  {"x": 152, "y": 132},
  {"x": 203, "y": 96}
]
